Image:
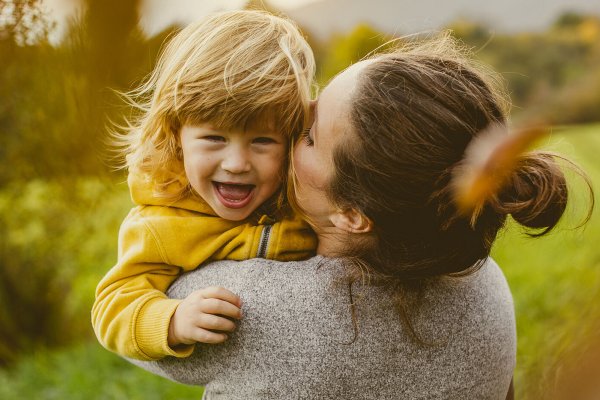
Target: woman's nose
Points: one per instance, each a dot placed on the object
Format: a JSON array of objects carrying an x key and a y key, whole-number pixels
[{"x": 236, "y": 161}]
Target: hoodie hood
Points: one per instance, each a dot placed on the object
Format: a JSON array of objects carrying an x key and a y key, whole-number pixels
[{"x": 141, "y": 189}]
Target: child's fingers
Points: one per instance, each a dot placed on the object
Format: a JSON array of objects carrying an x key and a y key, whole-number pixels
[
  {"x": 217, "y": 292},
  {"x": 197, "y": 316},
  {"x": 214, "y": 322},
  {"x": 206, "y": 336},
  {"x": 220, "y": 307}
]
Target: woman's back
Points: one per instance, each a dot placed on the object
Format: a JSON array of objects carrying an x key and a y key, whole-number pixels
[{"x": 296, "y": 338}]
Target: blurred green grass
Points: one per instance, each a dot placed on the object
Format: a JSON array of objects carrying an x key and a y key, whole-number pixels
[
  {"x": 555, "y": 282},
  {"x": 87, "y": 371}
]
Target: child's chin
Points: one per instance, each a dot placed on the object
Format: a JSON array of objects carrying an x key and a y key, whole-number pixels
[{"x": 233, "y": 215}]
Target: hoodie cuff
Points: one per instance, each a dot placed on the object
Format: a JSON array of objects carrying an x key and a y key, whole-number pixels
[{"x": 152, "y": 329}]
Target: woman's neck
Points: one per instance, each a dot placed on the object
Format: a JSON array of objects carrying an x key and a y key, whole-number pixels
[{"x": 331, "y": 242}]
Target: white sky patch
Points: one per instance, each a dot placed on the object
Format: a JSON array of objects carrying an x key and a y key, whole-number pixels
[
  {"x": 290, "y": 4},
  {"x": 60, "y": 11},
  {"x": 157, "y": 15}
]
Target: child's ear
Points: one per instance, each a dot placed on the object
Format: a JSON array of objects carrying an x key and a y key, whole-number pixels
[{"x": 351, "y": 220}]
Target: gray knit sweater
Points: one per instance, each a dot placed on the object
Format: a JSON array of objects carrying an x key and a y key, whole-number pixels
[{"x": 296, "y": 338}]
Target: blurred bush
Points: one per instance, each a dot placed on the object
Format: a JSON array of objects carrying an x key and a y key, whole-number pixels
[
  {"x": 554, "y": 75},
  {"x": 86, "y": 371},
  {"x": 57, "y": 240},
  {"x": 57, "y": 100},
  {"x": 344, "y": 50}
]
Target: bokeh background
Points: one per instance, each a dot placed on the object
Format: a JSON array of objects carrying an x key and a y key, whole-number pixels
[{"x": 61, "y": 201}]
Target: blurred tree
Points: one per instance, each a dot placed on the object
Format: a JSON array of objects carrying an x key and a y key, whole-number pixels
[
  {"x": 114, "y": 41},
  {"x": 552, "y": 74},
  {"x": 475, "y": 34},
  {"x": 26, "y": 55},
  {"x": 22, "y": 22},
  {"x": 55, "y": 100},
  {"x": 345, "y": 50},
  {"x": 105, "y": 51},
  {"x": 568, "y": 20}
]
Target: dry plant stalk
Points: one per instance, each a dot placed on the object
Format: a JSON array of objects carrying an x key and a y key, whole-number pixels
[
  {"x": 489, "y": 161},
  {"x": 575, "y": 375}
]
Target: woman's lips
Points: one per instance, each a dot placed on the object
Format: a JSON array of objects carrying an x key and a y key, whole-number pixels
[{"x": 234, "y": 195}]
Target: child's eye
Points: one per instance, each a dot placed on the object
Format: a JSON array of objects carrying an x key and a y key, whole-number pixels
[
  {"x": 214, "y": 138},
  {"x": 263, "y": 140},
  {"x": 305, "y": 135}
]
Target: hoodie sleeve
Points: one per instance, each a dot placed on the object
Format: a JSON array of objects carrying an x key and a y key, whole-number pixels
[{"x": 131, "y": 313}]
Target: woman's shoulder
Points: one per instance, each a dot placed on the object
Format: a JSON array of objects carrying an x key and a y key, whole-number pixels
[
  {"x": 487, "y": 284},
  {"x": 485, "y": 287},
  {"x": 253, "y": 273},
  {"x": 480, "y": 302},
  {"x": 486, "y": 293}
]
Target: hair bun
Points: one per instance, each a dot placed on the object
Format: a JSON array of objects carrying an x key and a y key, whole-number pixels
[
  {"x": 498, "y": 176},
  {"x": 535, "y": 194}
]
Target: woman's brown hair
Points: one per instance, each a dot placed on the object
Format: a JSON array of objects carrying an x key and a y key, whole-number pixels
[{"x": 413, "y": 115}]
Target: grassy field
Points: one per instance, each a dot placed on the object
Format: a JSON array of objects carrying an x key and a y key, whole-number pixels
[{"x": 555, "y": 281}]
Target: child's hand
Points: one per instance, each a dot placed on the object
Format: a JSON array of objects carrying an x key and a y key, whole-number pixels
[{"x": 200, "y": 317}]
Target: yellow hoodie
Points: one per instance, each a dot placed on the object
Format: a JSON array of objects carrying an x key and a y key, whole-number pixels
[{"x": 158, "y": 241}]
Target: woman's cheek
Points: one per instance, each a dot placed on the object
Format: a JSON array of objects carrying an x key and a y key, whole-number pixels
[{"x": 310, "y": 183}]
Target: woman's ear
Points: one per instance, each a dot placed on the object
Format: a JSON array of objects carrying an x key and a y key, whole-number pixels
[{"x": 351, "y": 220}]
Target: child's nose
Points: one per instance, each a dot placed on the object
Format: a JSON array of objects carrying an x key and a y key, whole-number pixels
[{"x": 236, "y": 162}]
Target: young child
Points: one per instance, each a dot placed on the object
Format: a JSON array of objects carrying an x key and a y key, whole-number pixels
[{"x": 207, "y": 161}]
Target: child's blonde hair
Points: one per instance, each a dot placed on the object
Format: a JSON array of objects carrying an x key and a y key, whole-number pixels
[{"x": 229, "y": 69}]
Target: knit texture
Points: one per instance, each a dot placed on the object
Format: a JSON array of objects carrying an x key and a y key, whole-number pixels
[{"x": 295, "y": 340}]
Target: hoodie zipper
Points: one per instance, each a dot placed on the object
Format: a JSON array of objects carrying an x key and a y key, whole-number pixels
[{"x": 264, "y": 241}]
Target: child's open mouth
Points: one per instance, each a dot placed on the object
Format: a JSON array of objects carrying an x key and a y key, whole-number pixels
[{"x": 234, "y": 195}]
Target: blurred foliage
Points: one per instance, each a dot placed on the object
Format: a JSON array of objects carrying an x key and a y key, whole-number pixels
[
  {"x": 55, "y": 104},
  {"x": 552, "y": 75},
  {"x": 57, "y": 239},
  {"x": 56, "y": 100},
  {"x": 60, "y": 207},
  {"x": 23, "y": 23},
  {"x": 86, "y": 372},
  {"x": 555, "y": 279},
  {"x": 348, "y": 49}
]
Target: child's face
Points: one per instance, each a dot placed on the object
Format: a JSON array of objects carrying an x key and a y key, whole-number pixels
[{"x": 234, "y": 171}]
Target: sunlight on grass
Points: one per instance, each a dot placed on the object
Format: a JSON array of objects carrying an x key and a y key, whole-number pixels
[
  {"x": 555, "y": 280},
  {"x": 86, "y": 372}
]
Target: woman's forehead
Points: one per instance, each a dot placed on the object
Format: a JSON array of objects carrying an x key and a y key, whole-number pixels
[
  {"x": 333, "y": 104},
  {"x": 342, "y": 86}
]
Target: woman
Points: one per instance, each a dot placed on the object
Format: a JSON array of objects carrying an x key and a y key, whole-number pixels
[{"x": 402, "y": 300}]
